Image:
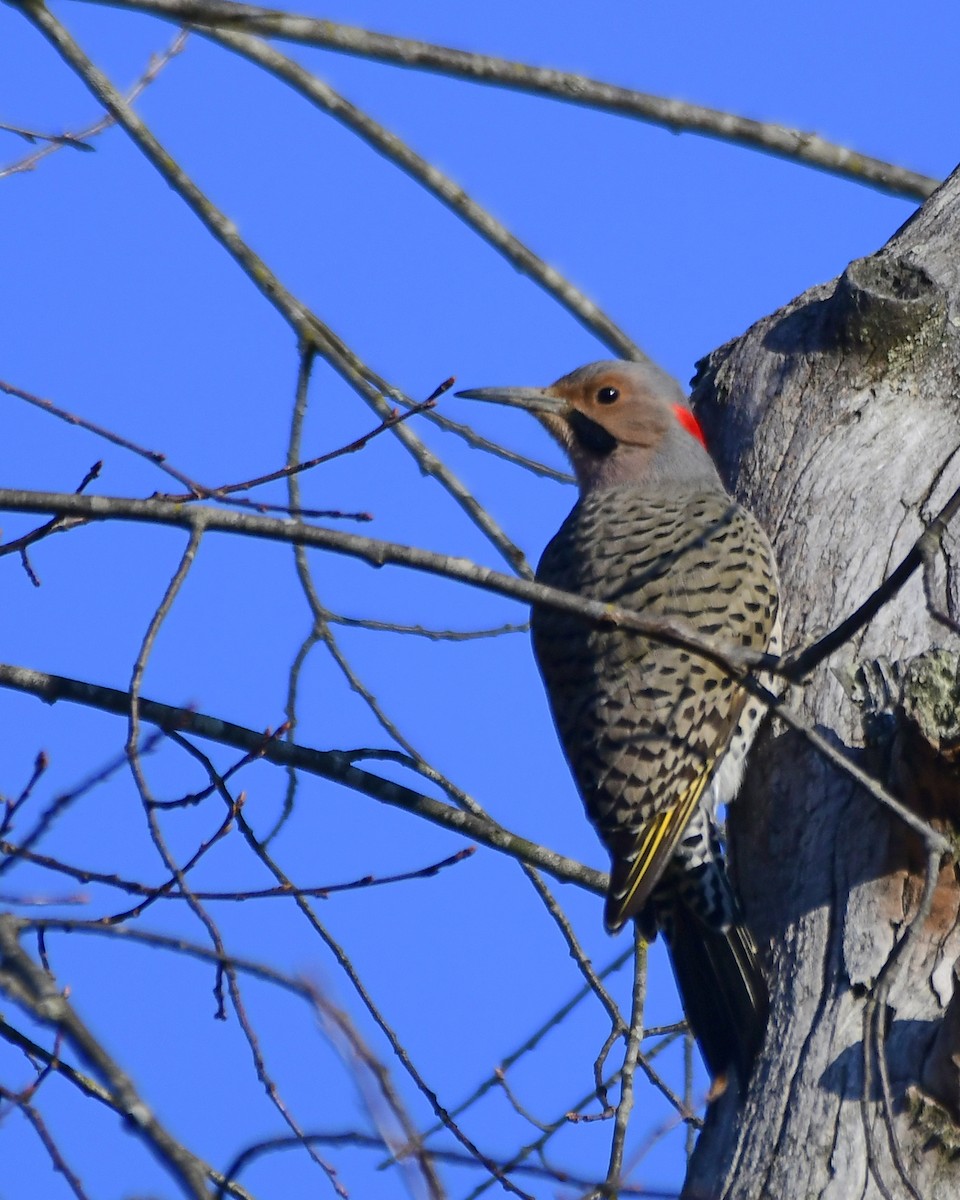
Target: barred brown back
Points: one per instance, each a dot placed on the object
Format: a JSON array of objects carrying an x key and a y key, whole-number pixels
[{"x": 641, "y": 720}]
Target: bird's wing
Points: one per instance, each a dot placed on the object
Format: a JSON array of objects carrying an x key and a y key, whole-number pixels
[{"x": 637, "y": 868}]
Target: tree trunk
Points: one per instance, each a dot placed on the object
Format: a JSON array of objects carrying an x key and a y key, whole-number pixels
[{"x": 837, "y": 420}]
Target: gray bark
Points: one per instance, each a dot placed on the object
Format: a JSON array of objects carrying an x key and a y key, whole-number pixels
[{"x": 837, "y": 421}]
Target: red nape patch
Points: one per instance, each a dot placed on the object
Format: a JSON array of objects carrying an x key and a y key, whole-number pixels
[{"x": 690, "y": 423}]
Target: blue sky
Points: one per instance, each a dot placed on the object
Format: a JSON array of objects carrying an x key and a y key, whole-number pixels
[{"x": 117, "y": 305}]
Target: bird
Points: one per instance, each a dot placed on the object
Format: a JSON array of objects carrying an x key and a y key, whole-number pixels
[{"x": 656, "y": 735}]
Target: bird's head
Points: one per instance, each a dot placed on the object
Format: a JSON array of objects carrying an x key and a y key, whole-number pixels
[{"x": 620, "y": 423}]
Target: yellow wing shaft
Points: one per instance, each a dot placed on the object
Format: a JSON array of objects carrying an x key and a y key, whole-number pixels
[{"x": 631, "y": 887}]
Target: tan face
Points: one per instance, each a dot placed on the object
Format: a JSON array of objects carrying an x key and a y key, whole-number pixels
[
  {"x": 613, "y": 398},
  {"x": 619, "y": 422}
]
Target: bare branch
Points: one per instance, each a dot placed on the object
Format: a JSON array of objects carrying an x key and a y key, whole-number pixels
[
  {"x": 440, "y": 185},
  {"x": 33, "y": 990},
  {"x": 377, "y": 553},
  {"x": 368, "y": 1141},
  {"x": 733, "y": 658},
  {"x": 676, "y": 115},
  {"x": 328, "y": 764}
]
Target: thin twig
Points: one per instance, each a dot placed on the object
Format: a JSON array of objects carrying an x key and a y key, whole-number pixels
[
  {"x": 577, "y": 953},
  {"x": 363, "y": 1063},
  {"x": 57, "y": 1160},
  {"x": 433, "y": 635},
  {"x": 689, "y": 1052},
  {"x": 477, "y": 442},
  {"x": 115, "y": 439},
  {"x": 57, "y": 139},
  {"x": 298, "y": 468},
  {"x": 80, "y": 140},
  {"x": 54, "y": 525},
  {"x": 532, "y": 1041},
  {"x": 61, "y": 802},
  {"x": 599, "y": 1066},
  {"x": 571, "y": 1114},
  {"x": 224, "y": 493},
  {"x": 305, "y": 364},
  {"x": 40, "y": 764},
  {"x": 171, "y": 890},
  {"x": 266, "y": 1080},
  {"x": 168, "y": 890},
  {"x": 625, "y": 1107}
]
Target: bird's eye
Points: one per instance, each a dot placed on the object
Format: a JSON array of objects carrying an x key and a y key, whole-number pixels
[{"x": 607, "y": 395}]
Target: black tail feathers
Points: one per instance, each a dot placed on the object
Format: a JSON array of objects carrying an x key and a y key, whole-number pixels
[{"x": 722, "y": 989}]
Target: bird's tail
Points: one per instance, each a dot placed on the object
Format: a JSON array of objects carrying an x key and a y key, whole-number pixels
[{"x": 722, "y": 989}]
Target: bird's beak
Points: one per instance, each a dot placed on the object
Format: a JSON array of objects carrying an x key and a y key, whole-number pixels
[{"x": 537, "y": 400}]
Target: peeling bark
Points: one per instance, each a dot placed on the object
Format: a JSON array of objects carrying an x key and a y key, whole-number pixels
[{"x": 837, "y": 421}]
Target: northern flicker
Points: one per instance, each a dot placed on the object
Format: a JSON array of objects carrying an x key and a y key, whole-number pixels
[{"x": 655, "y": 734}]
